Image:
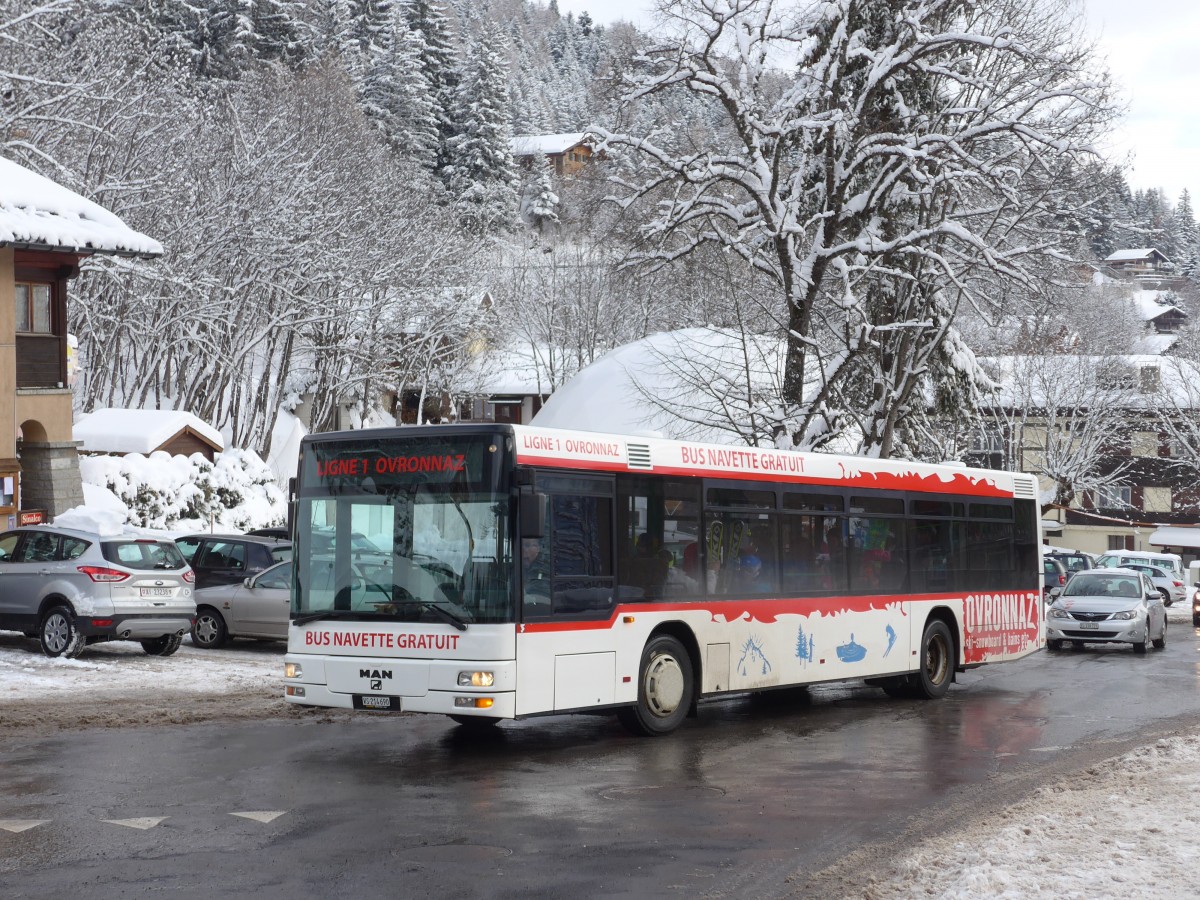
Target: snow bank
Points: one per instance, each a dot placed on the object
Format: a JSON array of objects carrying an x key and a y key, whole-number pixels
[{"x": 235, "y": 492}]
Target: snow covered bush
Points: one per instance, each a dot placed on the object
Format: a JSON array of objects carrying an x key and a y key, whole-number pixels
[{"x": 235, "y": 492}]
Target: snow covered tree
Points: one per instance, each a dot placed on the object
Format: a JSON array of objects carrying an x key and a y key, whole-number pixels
[
  {"x": 480, "y": 173},
  {"x": 539, "y": 206},
  {"x": 439, "y": 64},
  {"x": 1187, "y": 238},
  {"x": 1063, "y": 418},
  {"x": 911, "y": 165},
  {"x": 394, "y": 92}
]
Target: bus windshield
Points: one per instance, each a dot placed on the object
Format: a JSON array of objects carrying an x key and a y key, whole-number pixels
[{"x": 404, "y": 542}]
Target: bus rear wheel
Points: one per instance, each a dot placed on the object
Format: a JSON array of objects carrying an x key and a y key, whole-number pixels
[
  {"x": 933, "y": 679},
  {"x": 666, "y": 688}
]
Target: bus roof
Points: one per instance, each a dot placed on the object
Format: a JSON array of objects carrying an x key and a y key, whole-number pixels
[{"x": 597, "y": 451}]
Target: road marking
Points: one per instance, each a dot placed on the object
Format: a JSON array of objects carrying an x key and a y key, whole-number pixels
[
  {"x": 264, "y": 816},
  {"x": 143, "y": 824},
  {"x": 18, "y": 825}
]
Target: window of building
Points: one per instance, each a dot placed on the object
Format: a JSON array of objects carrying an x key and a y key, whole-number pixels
[
  {"x": 1120, "y": 542},
  {"x": 33, "y": 308},
  {"x": 1112, "y": 497}
]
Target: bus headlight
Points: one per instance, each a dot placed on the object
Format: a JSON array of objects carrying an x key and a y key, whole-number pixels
[
  {"x": 476, "y": 679},
  {"x": 293, "y": 670}
]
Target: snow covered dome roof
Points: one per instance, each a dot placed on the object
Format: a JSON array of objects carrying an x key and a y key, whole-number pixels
[
  {"x": 35, "y": 211},
  {"x": 139, "y": 430},
  {"x": 667, "y": 385}
]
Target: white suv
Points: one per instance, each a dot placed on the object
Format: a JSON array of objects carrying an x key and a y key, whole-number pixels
[{"x": 70, "y": 588}]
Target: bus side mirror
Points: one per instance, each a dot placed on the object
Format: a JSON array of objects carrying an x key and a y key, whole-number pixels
[{"x": 533, "y": 514}]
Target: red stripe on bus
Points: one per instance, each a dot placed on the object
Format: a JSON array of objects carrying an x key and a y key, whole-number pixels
[
  {"x": 764, "y": 611},
  {"x": 882, "y": 481}
]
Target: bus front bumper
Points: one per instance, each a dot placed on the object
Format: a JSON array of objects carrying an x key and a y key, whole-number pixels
[{"x": 410, "y": 685}]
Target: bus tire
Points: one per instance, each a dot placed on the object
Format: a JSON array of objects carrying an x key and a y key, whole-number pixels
[
  {"x": 666, "y": 689},
  {"x": 933, "y": 678}
]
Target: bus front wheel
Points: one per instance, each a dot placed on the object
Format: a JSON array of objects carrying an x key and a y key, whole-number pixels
[
  {"x": 666, "y": 688},
  {"x": 933, "y": 679}
]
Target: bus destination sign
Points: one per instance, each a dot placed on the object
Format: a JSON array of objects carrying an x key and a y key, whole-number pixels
[{"x": 366, "y": 464}]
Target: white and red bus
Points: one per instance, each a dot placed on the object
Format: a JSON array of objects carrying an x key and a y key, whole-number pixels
[{"x": 494, "y": 572}]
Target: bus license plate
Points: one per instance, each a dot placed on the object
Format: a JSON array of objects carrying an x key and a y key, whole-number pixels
[
  {"x": 1092, "y": 625},
  {"x": 369, "y": 701}
]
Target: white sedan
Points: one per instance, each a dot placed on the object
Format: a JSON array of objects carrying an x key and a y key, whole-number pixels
[{"x": 1171, "y": 587}]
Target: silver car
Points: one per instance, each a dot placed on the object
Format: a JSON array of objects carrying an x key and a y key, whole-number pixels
[
  {"x": 255, "y": 607},
  {"x": 70, "y": 588},
  {"x": 1107, "y": 606}
]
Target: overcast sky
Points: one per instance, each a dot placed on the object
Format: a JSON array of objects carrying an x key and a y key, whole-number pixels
[{"x": 1153, "y": 51}]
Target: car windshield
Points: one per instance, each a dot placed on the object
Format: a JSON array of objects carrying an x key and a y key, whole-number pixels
[{"x": 1086, "y": 584}]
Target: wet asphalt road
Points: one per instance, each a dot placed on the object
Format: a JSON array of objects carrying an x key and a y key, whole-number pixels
[{"x": 790, "y": 794}]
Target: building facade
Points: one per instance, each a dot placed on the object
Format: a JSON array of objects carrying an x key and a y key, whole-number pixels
[{"x": 45, "y": 232}]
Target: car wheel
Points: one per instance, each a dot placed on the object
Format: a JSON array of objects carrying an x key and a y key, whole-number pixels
[
  {"x": 1196, "y": 621},
  {"x": 1166, "y": 595},
  {"x": 1161, "y": 642},
  {"x": 163, "y": 646},
  {"x": 1140, "y": 646},
  {"x": 1054, "y": 645},
  {"x": 937, "y": 661},
  {"x": 665, "y": 689},
  {"x": 58, "y": 635},
  {"x": 209, "y": 631}
]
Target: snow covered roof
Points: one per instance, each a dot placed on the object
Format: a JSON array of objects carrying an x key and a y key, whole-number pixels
[
  {"x": 35, "y": 211},
  {"x": 1063, "y": 379},
  {"x": 510, "y": 371},
  {"x": 1175, "y": 536},
  {"x": 1147, "y": 307},
  {"x": 1155, "y": 344},
  {"x": 1133, "y": 255},
  {"x": 546, "y": 144},
  {"x": 139, "y": 430}
]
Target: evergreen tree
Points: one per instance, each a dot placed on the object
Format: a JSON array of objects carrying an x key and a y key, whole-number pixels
[
  {"x": 1188, "y": 237},
  {"x": 480, "y": 172},
  {"x": 539, "y": 206},
  {"x": 439, "y": 66},
  {"x": 272, "y": 30},
  {"x": 397, "y": 96}
]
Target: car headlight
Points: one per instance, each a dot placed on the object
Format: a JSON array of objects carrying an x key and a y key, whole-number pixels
[
  {"x": 1125, "y": 614},
  {"x": 1057, "y": 612}
]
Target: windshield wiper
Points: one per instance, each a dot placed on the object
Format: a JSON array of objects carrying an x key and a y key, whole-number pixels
[{"x": 441, "y": 612}]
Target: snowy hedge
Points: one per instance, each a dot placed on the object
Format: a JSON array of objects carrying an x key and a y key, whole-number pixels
[{"x": 235, "y": 492}]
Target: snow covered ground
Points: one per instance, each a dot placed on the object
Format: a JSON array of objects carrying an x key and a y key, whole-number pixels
[{"x": 1131, "y": 829}]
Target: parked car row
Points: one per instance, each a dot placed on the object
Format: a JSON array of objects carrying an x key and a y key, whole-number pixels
[{"x": 69, "y": 588}]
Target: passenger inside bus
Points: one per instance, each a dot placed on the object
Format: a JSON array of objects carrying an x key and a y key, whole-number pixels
[{"x": 535, "y": 570}]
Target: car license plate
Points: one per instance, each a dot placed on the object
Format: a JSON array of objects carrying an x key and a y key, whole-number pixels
[
  {"x": 1092, "y": 625},
  {"x": 370, "y": 701},
  {"x": 157, "y": 592}
]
